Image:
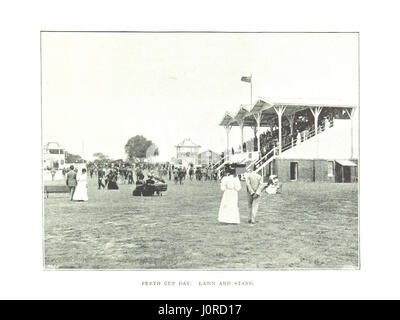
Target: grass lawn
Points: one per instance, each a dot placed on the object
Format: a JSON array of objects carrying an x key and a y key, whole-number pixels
[{"x": 309, "y": 225}]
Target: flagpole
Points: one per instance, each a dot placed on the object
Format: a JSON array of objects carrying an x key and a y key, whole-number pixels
[{"x": 251, "y": 90}]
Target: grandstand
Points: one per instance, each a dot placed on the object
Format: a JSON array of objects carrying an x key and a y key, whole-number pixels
[{"x": 304, "y": 140}]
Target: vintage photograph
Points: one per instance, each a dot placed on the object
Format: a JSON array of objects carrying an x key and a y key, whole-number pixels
[{"x": 200, "y": 150}]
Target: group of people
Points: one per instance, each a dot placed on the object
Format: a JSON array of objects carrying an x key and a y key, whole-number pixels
[
  {"x": 108, "y": 177},
  {"x": 230, "y": 185},
  {"x": 126, "y": 171},
  {"x": 180, "y": 173},
  {"x": 206, "y": 173},
  {"x": 107, "y": 180},
  {"x": 77, "y": 183},
  {"x": 296, "y": 132}
]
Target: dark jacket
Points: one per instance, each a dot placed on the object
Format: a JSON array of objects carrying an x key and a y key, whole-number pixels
[{"x": 71, "y": 178}]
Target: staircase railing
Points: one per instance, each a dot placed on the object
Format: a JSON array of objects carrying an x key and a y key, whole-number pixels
[
  {"x": 270, "y": 155},
  {"x": 305, "y": 135},
  {"x": 265, "y": 163},
  {"x": 217, "y": 164},
  {"x": 221, "y": 166},
  {"x": 264, "y": 158}
]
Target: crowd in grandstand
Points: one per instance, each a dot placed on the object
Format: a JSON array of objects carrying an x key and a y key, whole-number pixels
[{"x": 301, "y": 130}]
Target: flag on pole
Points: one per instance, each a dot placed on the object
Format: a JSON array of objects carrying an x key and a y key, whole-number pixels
[{"x": 246, "y": 79}]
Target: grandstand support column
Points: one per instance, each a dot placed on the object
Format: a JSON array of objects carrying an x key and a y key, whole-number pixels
[
  {"x": 241, "y": 136},
  {"x": 279, "y": 111},
  {"x": 255, "y": 134},
  {"x": 350, "y": 112},
  {"x": 228, "y": 129},
  {"x": 316, "y": 111},
  {"x": 290, "y": 118},
  {"x": 257, "y": 116}
]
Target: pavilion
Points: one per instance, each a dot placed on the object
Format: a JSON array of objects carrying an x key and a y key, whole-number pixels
[{"x": 187, "y": 152}]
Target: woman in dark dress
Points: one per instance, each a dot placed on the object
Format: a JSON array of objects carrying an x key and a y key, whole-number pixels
[
  {"x": 112, "y": 180},
  {"x": 191, "y": 173}
]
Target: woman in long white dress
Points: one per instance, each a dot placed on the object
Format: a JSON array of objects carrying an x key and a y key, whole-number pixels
[
  {"x": 80, "y": 193},
  {"x": 229, "y": 209}
]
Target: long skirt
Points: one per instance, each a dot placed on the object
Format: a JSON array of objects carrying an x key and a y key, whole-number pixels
[
  {"x": 229, "y": 209},
  {"x": 112, "y": 185},
  {"x": 80, "y": 193}
]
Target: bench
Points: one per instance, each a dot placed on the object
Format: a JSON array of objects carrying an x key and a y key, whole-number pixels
[{"x": 55, "y": 189}]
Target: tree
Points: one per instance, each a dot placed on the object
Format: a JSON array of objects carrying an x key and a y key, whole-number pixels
[
  {"x": 101, "y": 159},
  {"x": 73, "y": 158},
  {"x": 100, "y": 156},
  {"x": 139, "y": 147}
]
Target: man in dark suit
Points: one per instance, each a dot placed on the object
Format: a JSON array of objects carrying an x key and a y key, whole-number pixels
[
  {"x": 71, "y": 180},
  {"x": 254, "y": 186},
  {"x": 130, "y": 176},
  {"x": 100, "y": 177}
]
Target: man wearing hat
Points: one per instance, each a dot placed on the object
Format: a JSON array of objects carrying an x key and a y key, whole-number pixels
[
  {"x": 254, "y": 186},
  {"x": 71, "y": 180}
]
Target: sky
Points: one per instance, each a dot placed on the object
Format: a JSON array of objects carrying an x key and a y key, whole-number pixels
[{"x": 100, "y": 89}]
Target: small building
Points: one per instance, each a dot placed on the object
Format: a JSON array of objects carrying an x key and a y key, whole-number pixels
[
  {"x": 208, "y": 157},
  {"x": 187, "y": 152},
  {"x": 53, "y": 155}
]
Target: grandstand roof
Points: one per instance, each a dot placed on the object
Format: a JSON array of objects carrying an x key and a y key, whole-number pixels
[
  {"x": 226, "y": 120},
  {"x": 243, "y": 112},
  {"x": 267, "y": 108},
  {"x": 295, "y": 105},
  {"x": 243, "y": 116}
]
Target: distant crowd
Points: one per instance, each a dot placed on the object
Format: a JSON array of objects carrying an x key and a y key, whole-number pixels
[
  {"x": 109, "y": 176},
  {"x": 199, "y": 173}
]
